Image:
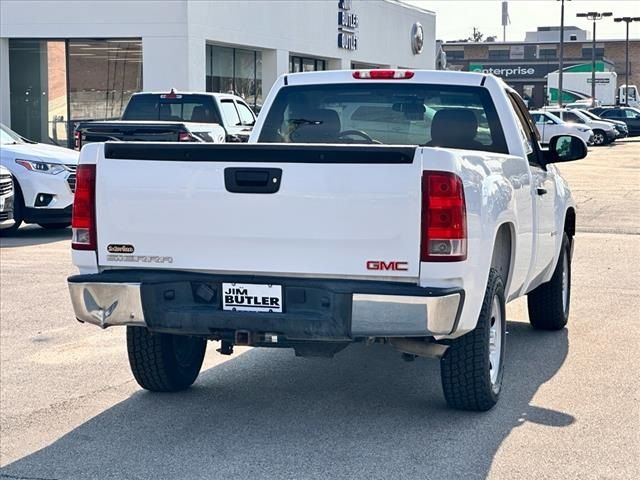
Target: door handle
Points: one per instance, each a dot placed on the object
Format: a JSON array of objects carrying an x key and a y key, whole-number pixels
[
  {"x": 252, "y": 180},
  {"x": 541, "y": 191}
]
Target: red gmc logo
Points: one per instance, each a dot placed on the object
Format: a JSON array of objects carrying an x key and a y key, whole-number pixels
[{"x": 387, "y": 266}]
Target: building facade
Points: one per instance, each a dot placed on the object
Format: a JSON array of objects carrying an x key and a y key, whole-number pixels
[
  {"x": 60, "y": 65},
  {"x": 525, "y": 65}
]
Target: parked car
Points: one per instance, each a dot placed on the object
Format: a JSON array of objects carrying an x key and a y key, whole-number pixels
[
  {"x": 621, "y": 127},
  {"x": 550, "y": 126},
  {"x": 416, "y": 246},
  {"x": 44, "y": 180},
  {"x": 6, "y": 199},
  {"x": 603, "y": 132},
  {"x": 174, "y": 117},
  {"x": 629, "y": 115}
]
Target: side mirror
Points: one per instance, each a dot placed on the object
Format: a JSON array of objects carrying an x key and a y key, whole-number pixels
[{"x": 565, "y": 148}]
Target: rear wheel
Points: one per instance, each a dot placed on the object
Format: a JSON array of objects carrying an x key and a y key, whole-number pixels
[
  {"x": 549, "y": 303},
  {"x": 162, "y": 362},
  {"x": 472, "y": 367}
]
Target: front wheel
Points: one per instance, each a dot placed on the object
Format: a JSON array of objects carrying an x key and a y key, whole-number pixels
[
  {"x": 472, "y": 367},
  {"x": 162, "y": 362},
  {"x": 599, "y": 137},
  {"x": 549, "y": 303}
]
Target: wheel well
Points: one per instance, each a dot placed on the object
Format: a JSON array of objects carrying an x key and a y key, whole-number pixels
[
  {"x": 503, "y": 253},
  {"x": 570, "y": 223}
]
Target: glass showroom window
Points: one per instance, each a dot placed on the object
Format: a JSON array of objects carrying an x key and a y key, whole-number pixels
[
  {"x": 38, "y": 89},
  {"x": 302, "y": 64},
  {"x": 235, "y": 70},
  {"x": 103, "y": 74},
  {"x": 56, "y": 83}
]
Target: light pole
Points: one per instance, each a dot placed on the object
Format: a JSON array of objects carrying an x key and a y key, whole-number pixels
[
  {"x": 560, "y": 71},
  {"x": 595, "y": 16},
  {"x": 627, "y": 20}
]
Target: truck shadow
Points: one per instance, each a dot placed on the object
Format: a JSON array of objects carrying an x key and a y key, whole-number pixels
[
  {"x": 30, "y": 235},
  {"x": 266, "y": 414}
]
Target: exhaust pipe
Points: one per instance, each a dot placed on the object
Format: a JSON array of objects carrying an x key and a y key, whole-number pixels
[{"x": 419, "y": 348}]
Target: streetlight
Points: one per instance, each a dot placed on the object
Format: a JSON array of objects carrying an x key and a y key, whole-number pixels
[
  {"x": 627, "y": 20},
  {"x": 560, "y": 94},
  {"x": 595, "y": 16}
]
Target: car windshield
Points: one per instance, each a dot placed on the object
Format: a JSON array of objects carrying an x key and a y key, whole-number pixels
[
  {"x": 590, "y": 115},
  {"x": 390, "y": 114},
  {"x": 554, "y": 117},
  {"x": 9, "y": 137}
]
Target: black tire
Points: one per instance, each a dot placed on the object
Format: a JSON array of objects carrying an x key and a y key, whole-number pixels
[
  {"x": 547, "y": 310},
  {"x": 466, "y": 367},
  {"x": 162, "y": 362},
  {"x": 55, "y": 226},
  {"x": 599, "y": 137}
]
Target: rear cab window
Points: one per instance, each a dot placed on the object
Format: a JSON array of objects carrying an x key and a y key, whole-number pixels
[
  {"x": 449, "y": 116},
  {"x": 172, "y": 107}
]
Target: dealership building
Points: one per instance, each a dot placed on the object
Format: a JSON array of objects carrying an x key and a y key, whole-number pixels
[
  {"x": 60, "y": 64},
  {"x": 525, "y": 65}
]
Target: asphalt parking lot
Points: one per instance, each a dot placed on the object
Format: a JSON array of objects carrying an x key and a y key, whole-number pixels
[{"x": 570, "y": 409}]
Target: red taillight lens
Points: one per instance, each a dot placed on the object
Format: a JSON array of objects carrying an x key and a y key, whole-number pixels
[
  {"x": 383, "y": 74},
  {"x": 444, "y": 218},
  {"x": 77, "y": 136},
  {"x": 83, "y": 220}
]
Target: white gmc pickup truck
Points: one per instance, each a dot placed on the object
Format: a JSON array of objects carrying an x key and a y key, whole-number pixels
[{"x": 392, "y": 206}]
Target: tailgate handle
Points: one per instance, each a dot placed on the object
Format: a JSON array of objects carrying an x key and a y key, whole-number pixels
[{"x": 252, "y": 180}]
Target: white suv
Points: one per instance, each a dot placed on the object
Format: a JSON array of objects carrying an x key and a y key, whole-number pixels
[
  {"x": 549, "y": 126},
  {"x": 603, "y": 132},
  {"x": 44, "y": 178}
]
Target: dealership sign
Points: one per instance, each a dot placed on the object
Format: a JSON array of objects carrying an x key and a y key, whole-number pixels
[{"x": 348, "y": 23}]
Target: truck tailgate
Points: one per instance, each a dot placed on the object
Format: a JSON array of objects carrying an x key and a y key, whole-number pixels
[{"x": 309, "y": 210}]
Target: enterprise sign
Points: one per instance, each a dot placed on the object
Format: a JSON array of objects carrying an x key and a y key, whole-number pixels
[
  {"x": 348, "y": 23},
  {"x": 519, "y": 71},
  {"x": 513, "y": 71}
]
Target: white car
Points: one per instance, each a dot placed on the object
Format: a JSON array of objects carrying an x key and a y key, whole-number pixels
[
  {"x": 44, "y": 178},
  {"x": 603, "y": 132},
  {"x": 550, "y": 125},
  {"x": 321, "y": 232}
]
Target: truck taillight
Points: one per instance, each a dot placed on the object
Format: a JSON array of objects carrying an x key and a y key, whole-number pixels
[
  {"x": 444, "y": 218},
  {"x": 77, "y": 136},
  {"x": 83, "y": 221}
]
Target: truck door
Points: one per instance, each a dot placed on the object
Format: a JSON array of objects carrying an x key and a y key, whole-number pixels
[{"x": 543, "y": 191}]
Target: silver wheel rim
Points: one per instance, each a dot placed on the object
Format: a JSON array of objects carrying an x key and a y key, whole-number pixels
[
  {"x": 565, "y": 284},
  {"x": 495, "y": 340},
  {"x": 598, "y": 138}
]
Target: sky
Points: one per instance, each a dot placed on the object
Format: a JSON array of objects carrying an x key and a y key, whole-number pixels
[{"x": 456, "y": 18}]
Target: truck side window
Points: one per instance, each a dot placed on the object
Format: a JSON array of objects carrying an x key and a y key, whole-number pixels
[
  {"x": 230, "y": 112},
  {"x": 246, "y": 115},
  {"x": 532, "y": 136}
]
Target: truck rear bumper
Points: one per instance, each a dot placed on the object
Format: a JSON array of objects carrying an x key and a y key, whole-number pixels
[{"x": 332, "y": 310}]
